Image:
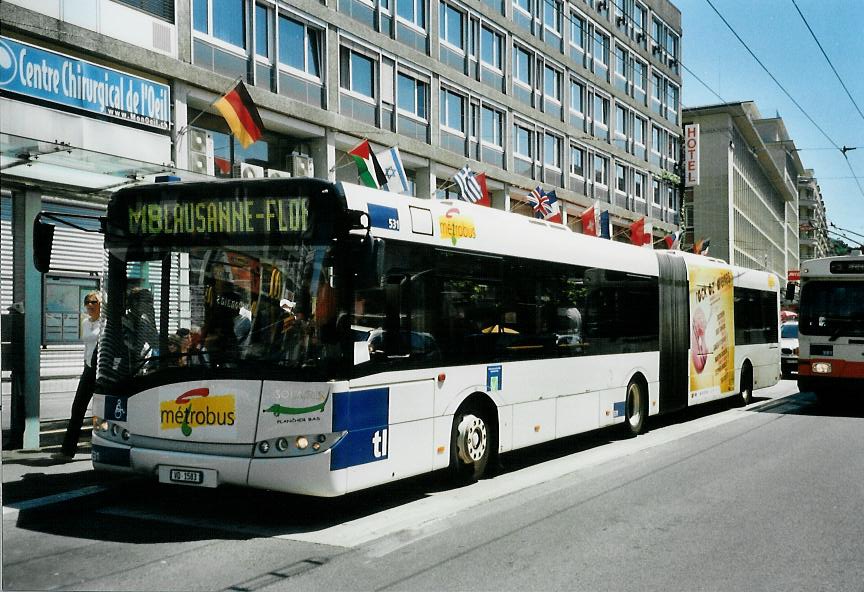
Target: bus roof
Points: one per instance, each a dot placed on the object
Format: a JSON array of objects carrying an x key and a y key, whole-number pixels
[
  {"x": 463, "y": 225},
  {"x": 840, "y": 266}
]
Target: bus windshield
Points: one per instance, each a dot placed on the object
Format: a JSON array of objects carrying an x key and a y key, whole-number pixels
[
  {"x": 832, "y": 308},
  {"x": 267, "y": 310}
]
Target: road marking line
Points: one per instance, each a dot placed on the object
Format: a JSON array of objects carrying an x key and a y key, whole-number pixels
[{"x": 12, "y": 510}]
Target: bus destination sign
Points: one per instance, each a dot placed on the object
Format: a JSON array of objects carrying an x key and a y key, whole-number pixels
[
  {"x": 847, "y": 266},
  {"x": 235, "y": 217}
]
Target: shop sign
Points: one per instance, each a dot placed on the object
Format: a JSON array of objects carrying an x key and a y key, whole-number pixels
[{"x": 50, "y": 76}]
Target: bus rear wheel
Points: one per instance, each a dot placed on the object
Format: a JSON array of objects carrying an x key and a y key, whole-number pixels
[
  {"x": 470, "y": 445},
  {"x": 635, "y": 407}
]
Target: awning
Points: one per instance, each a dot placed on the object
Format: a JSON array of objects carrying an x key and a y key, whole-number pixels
[{"x": 56, "y": 164}]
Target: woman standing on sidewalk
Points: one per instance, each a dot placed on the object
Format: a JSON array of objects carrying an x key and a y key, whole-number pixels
[{"x": 90, "y": 329}]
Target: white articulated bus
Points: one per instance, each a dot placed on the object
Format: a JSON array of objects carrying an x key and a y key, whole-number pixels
[
  {"x": 320, "y": 338},
  {"x": 831, "y": 326}
]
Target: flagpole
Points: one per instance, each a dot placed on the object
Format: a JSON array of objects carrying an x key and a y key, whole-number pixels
[{"x": 182, "y": 131}]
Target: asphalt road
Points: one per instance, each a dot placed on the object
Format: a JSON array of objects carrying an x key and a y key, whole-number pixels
[{"x": 767, "y": 497}]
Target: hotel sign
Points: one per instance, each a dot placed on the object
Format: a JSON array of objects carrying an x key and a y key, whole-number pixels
[
  {"x": 691, "y": 155},
  {"x": 50, "y": 76}
]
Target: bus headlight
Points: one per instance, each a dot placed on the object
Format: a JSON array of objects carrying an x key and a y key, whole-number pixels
[
  {"x": 821, "y": 367},
  {"x": 110, "y": 430},
  {"x": 303, "y": 445}
]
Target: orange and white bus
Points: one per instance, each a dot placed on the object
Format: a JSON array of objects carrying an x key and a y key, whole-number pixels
[{"x": 831, "y": 326}]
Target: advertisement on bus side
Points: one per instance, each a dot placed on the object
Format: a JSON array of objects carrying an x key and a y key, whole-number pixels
[{"x": 712, "y": 331}]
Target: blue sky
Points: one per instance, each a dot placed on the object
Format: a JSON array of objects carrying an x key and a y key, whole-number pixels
[{"x": 775, "y": 32}]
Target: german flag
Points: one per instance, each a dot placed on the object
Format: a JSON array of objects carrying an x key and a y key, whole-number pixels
[{"x": 241, "y": 114}]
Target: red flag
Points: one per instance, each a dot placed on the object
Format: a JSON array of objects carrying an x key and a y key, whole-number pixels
[
  {"x": 485, "y": 200},
  {"x": 637, "y": 232},
  {"x": 589, "y": 222}
]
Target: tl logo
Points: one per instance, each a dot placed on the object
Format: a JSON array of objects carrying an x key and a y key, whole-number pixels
[
  {"x": 197, "y": 408},
  {"x": 379, "y": 444}
]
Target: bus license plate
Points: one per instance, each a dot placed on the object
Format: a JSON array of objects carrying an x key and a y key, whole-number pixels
[{"x": 186, "y": 476}]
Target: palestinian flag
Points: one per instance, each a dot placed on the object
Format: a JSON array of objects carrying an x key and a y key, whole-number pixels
[
  {"x": 241, "y": 114},
  {"x": 368, "y": 169}
]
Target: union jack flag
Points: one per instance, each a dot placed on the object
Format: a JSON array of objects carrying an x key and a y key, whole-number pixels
[{"x": 540, "y": 202}]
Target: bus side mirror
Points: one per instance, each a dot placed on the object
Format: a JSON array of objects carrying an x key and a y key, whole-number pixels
[
  {"x": 43, "y": 241},
  {"x": 790, "y": 291}
]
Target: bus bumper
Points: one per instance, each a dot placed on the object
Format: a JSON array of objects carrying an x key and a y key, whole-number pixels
[{"x": 831, "y": 386}]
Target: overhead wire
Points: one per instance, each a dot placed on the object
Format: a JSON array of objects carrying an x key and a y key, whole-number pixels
[
  {"x": 842, "y": 150},
  {"x": 827, "y": 59}
]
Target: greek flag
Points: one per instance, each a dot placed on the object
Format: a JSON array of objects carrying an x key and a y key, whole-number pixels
[{"x": 469, "y": 188}]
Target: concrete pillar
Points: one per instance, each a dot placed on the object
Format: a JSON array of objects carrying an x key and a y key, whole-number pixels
[
  {"x": 324, "y": 155},
  {"x": 27, "y": 294},
  {"x": 426, "y": 181}
]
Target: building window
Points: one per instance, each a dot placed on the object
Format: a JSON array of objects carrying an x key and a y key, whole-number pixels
[
  {"x": 491, "y": 44},
  {"x": 639, "y": 136},
  {"x": 523, "y": 6},
  {"x": 411, "y": 96},
  {"x": 452, "y": 111},
  {"x": 672, "y": 103},
  {"x": 620, "y": 178},
  {"x": 522, "y": 142},
  {"x": 521, "y": 67},
  {"x": 552, "y": 83},
  {"x": 670, "y": 198},
  {"x": 163, "y": 9},
  {"x": 412, "y": 11},
  {"x": 300, "y": 47},
  {"x": 224, "y": 20},
  {"x": 639, "y": 18},
  {"x": 639, "y": 186},
  {"x": 357, "y": 73},
  {"x": 262, "y": 31},
  {"x": 577, "y": 161},
  {"x": 639, "y": 75},
  {"x": 620, "y": 68},
  {"x": 621, "y": 127},
  {"x": 492, "y": 127},
  {"x": 552, "y": 17},
  {"x": 601, "y": 117},
  {"x": 656, "y": 94},
  {"x": 577, "y": 97},
  {"x": 601, "y": 170},
  {"x": 601, "y": 54},
  {"x": 452, "y": 26},
  {"x": 577, "y": 36},
  {"x": 552, "y": 151},
  {"x": 656, "y": 192}
]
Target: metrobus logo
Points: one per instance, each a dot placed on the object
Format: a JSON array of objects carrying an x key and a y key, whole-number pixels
[
  {"x": 197, "y": 408},
  {"x": 454, "y": 226}
]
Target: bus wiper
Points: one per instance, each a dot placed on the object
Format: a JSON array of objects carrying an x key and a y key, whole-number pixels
[{"x": 841, "y": 322}]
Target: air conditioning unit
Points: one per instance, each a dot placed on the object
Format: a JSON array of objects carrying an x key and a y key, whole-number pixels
[
  {"x": 277, "y": 174},
  {"x": 300, "y": 165},
  {"x": 245, "y": 170},
  {"x": 200, "y": 152}
]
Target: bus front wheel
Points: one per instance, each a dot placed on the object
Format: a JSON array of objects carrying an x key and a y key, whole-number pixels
[
  {"x": 747, "y": 384},
  {"x": 635, "y": 407},
  {"x": 470, "y": 445}
]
